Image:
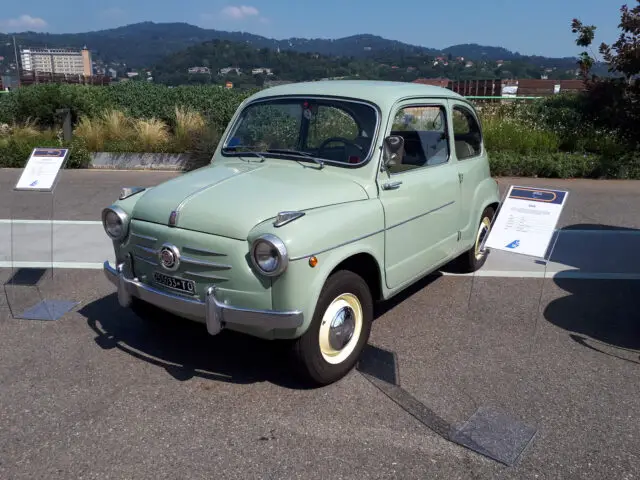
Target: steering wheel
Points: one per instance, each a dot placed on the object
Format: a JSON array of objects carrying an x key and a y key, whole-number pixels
[{"x": 346, "y": 141}]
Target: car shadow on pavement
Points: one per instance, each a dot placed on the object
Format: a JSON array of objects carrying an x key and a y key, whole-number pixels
[
  {"x": 600, "y": 314},
  {"x": 185, "y": 349}
]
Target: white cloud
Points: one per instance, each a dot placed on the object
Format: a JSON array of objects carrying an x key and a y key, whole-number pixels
[
  {"x": 241, "y": 12},
  {"x": 26, "y": 22}
]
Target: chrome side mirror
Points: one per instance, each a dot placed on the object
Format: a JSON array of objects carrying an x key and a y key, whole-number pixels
[{"x": 393, "y": 150}]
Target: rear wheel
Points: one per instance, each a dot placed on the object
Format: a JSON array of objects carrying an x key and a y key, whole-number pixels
[
  {"x": 473, "y": 259},
  {"x": 339, "y": 330}
]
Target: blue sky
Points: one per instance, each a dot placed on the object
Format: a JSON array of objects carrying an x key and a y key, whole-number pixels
[{"x": 541, "y": 27}]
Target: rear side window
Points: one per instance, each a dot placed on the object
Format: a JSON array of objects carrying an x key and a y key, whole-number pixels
[{"x": 466, "y": 134}]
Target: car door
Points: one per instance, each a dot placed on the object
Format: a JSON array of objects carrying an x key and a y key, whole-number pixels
[
  {"x": 470, "y": 159},
  {"x": 420, "y": 194}
]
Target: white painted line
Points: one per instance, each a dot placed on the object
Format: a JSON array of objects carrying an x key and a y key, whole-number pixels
[
  {"x": 78, "y": 265},
  {"x": 48, "y": 222},
  {"x": 569, "y": 274}
]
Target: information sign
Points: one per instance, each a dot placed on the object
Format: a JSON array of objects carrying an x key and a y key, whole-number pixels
[
  {"x": 527, "y": 220},
  {"x": 42, "y": 169}
]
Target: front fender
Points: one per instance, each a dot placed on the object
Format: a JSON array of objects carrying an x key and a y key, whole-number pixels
[{"x": 331, "y": 234}]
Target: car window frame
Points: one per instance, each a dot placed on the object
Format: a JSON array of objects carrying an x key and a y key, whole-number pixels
[
  {"x": 471, "y": 111},
  {"x": 418, "y": 103},
  {"x": 373, "y": 149}
]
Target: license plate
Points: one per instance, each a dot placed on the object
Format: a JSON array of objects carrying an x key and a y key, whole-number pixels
[{"x": 178, "y": 284}]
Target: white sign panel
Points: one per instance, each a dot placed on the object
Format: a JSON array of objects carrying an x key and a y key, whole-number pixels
[
  {"x": 527, "y": 220},
  {"x": 510, "y": 91},
  {"x": 42, "y": 169}
]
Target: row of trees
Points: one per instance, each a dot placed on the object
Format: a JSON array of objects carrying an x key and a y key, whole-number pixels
[{"x": 294, "y": 66}]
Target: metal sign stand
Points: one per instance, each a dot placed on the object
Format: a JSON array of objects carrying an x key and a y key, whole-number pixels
[
  {"x": 489, "y": 431},
  {"x": 33, "y": 267}
]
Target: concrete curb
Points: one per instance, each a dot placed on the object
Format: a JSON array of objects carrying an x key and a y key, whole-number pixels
[{"x": 140, "y": 161}]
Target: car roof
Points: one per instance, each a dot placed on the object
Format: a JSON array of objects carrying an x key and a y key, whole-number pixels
[{"x": 382, "y": 93}]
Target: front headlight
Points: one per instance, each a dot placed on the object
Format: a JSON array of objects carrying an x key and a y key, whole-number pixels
[
  {"x": 115, "y": 222},
  {"x": 269, "y": 255}
]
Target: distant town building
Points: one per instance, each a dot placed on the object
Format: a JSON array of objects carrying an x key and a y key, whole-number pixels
[
  {"x": 263, "y": 71},
  {"x": 57, "y": 60},
  {"x": 227, "y": 70},
  {"x": 205, "y": 70}
]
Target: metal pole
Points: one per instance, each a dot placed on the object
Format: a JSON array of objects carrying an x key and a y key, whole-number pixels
[{"x": 15, "y": 52}]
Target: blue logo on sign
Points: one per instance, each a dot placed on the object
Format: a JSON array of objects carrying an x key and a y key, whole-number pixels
[
  {"x": 34, "y": 183},
  {"x": 514, "y": 244}
]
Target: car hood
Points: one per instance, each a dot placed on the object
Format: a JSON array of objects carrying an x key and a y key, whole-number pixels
[{"x": 230, "y": 199}]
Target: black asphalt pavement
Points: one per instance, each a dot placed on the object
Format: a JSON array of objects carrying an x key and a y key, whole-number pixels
[{"x": 101, "y": 393}]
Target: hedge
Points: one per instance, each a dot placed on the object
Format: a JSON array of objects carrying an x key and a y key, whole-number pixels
[
  {"x": 137, "y": 99},
  {"x": 546, "y": 138}
]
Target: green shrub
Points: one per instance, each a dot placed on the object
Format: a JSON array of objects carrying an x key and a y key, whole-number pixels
[
  {"x": 503, "y": 134},
  {"x": 135, "y": 99},
  {"x": 564, "y": 165},
  {"x": 15, "y": 150}
]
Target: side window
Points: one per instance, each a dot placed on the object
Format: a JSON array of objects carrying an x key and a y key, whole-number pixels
[
  {"x": 466, "y": 133},
  {"x": 424, "y": 129}
]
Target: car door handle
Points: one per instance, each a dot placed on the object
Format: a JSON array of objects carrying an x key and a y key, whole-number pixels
[{"x": 391, "y": 185}]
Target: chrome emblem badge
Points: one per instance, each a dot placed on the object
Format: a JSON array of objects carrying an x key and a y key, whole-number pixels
[{"x": 169, "y": 257}]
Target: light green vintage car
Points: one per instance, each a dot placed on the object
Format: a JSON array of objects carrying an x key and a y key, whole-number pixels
[{"x": 321, "y": 199}]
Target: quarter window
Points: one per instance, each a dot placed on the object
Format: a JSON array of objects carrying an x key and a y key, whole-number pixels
[
  {"x": 424, "y": 129},
  {"x": 466, "y": 134}
]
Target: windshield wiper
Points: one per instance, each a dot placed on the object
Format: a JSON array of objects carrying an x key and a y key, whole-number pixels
[
  {"x": 298, "y": 153},
  {"x": 241, "y": 154}
]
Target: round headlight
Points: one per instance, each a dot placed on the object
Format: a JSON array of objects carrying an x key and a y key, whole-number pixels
[
  {"x": 115, "y": 222},
  {"x": 269, "y": 255}
]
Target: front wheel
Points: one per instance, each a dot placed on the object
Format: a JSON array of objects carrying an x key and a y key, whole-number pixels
[{"x": 339, "y": 330}]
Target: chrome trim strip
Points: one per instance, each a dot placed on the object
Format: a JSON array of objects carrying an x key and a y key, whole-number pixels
[
  {"x": 421, "y": 215},
  {"x": 203, "y": 251},
  {"x": 146, "y": 260},
  {"x": 152, "y": 251},
  {"x": 206, "y": 275},
  {"x": 205, "y": 263},
  {"x": 213, "y": 312},
  {"x": 293, "y": 259},
  {"x": 362, "y": 237},
  {"x": 144, "y": 237}
]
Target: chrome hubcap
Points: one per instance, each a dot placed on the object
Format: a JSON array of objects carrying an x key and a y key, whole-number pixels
[
  {"x": 482, "y": 233},
  {"x": 342, "y": 327}
]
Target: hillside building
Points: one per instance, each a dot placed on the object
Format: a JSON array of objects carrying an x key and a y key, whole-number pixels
[{"x": 57, "y": 60}]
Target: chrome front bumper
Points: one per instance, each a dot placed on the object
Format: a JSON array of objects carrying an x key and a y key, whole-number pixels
[{"x": 215, "y": 313}]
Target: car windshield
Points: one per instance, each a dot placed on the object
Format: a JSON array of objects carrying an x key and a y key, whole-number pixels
[{"x": 316, "y": 130}]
